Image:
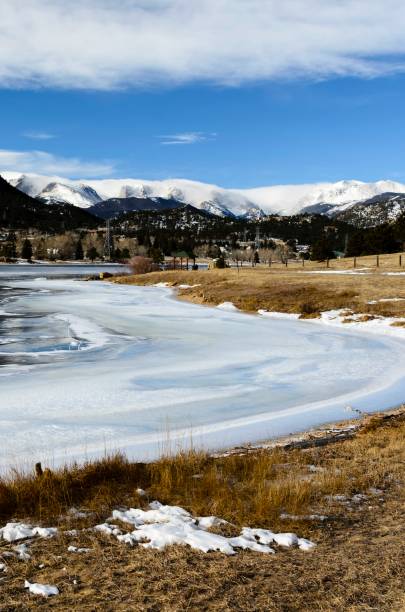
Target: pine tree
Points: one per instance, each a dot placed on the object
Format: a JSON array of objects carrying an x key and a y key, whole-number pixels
[
  {"x": 26, "y": 250},
  {"x": 322, "y": 250},
  {"x": 79, "y": 251},
  {"x": 92, "y": 253}
]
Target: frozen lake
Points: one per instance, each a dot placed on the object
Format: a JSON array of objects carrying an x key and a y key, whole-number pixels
[{"x": 89, "y": 367}]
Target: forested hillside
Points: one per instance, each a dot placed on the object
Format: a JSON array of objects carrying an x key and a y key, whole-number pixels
[{"x": 20, "y": 211}]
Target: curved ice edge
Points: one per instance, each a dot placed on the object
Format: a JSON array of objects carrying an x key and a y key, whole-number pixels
[
  {"x": 233, "y": 432},
  {"x": 226, "y": 434}
]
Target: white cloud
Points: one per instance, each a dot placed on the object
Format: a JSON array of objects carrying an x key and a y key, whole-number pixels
[
  {"x": 40, "y": 162},
  {"x": 186, "y": 138},
  {"x": 106, "y": 44},
  {"x": 33, "y": 135}
]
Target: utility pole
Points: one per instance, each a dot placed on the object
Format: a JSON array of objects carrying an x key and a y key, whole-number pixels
[
  {"x": 108, "y": 242},
  {"x": 257, "y": 239}
]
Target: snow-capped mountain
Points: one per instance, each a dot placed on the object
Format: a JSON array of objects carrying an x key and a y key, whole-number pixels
[
  {"x": 330, "y": 198},
  {"x": 293, "y": 199},
  {"x": 375, "y": 211},
  {"x": 85, "y": 194}
]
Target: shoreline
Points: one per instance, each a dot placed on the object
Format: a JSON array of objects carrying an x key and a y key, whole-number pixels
[
  {"x": 339, "y": 486},
  {"x": 317, "y": 436},
  {"x": 327, "y": 432},
  {"x": 268, "y": 427}
]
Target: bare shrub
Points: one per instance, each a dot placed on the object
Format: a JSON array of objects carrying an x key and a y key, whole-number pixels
[
  {"x": 307, "y": 308},
  {"x": 142, "y": 265}
]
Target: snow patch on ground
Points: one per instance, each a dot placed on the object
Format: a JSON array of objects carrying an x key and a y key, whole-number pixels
[
  {"x": 229, "y": 306},
  {"x": 46, "y": 590},
  {"x": 375, "y": 324},
  {"x": 396, "y": 299},
  {"x": 303, "y": 517},
  {"x": 75, "y": 549},
  {"x": 350, "y": 271},
  {"x": 393, "y": 273},
  {"x": 188, "y": 286},
  {"x": 78, "y": 514},
  {"x": 161, "y": 526},
  {"x": 277, "y": 315},
  {"x": 22, "y": 552},
  {"x": 19, "y": 531},
  {"x": 108, "y": 529}
]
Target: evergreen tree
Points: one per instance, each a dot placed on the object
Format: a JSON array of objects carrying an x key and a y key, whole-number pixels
[
  {"x": 380, "y": 239},
  {"x": 322, "y": 250},
  {"x": 26, "y": 250},
  {"x": 156, "y": 255},
  {"x": 79, "y": 250},
  {"x": 92, "y": 253},
  {"x": 356, "y": 245}
]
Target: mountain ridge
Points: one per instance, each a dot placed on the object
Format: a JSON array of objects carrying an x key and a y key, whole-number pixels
[
  {"x": 326, "y": 198},
  {"x": 20, "y": 211}
]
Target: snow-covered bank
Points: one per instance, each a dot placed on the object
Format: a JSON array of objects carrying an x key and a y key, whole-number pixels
[
  {"x": 342, "y": 318},
  {"x": 366, "y": 323},
  {"x": 165, "y": 373}
]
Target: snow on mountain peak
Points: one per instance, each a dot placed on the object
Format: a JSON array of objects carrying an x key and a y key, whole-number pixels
[
  {"x": 292, "y": 199},
  {"x": 280, "y": 199}
]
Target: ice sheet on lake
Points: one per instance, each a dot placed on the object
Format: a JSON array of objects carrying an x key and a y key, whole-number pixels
[{"x": 208, "y": 376}]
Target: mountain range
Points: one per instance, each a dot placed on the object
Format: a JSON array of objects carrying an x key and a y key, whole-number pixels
[
  {"x": 20, "y": 211},
  {"x": 367, "y": 203}
]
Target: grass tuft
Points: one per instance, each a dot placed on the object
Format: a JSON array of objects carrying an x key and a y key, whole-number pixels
[{"x": 246, "y": 488}]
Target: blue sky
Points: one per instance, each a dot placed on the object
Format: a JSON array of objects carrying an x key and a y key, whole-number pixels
[
  {"x": 238, "y": 122},
  {"x": 255, "y": 135}
]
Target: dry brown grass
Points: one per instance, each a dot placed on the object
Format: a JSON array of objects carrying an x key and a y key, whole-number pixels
[
  {"x": 242, "y": 487},
  {"x": 293, "y": 290},
  {"x": 96, "y": 485},
  {"x": 358, "y": 564}
]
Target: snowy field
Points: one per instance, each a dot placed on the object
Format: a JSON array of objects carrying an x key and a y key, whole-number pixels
[{"x": 87, "y": 368}]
